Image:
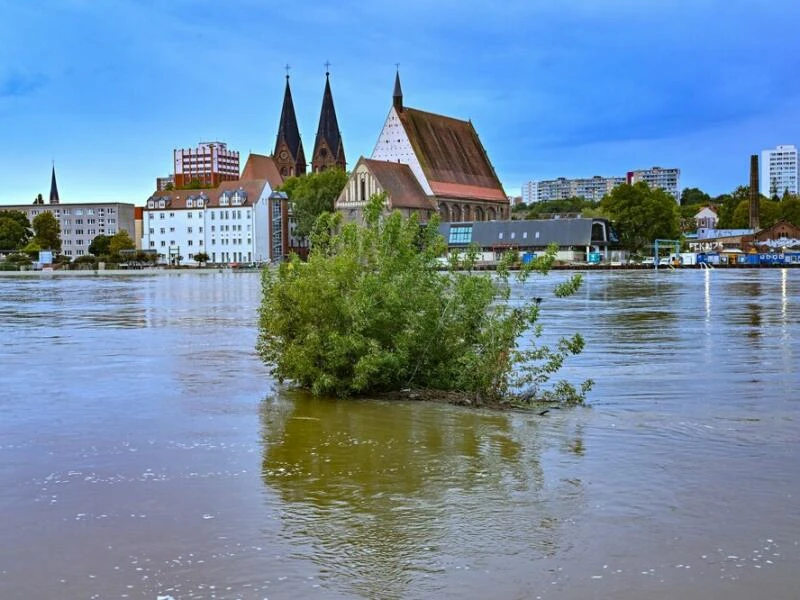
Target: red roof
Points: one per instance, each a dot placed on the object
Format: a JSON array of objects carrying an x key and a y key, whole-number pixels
[
  {"x": 451, "y": 156},
  {"x": 259, "y": 166},
  {"x": 177, "y": 198},
  {"x": 459, "y": 190},
  {"x": 399, "y": 182}
]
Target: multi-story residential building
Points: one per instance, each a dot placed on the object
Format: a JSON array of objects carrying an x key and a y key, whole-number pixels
[
  {"x": 657, "y": 177},
  {"x": 208, "y": 165},
  {"x": 590, "y": 188},
  {"x": 229, "y": 223},
  {"x": 80, "y": 222},
  {"x": 165, "y": 183},
  {"x": 779, "y": 171}
]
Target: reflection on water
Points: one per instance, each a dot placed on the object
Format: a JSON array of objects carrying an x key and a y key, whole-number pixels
[
  {"x": 386, "y": 496},
  {"x": 144, "y": 451}
]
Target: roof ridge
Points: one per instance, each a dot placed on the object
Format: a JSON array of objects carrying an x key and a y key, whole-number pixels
[{"x": 441, "y": 116}]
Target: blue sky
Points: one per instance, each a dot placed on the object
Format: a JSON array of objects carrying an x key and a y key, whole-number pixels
[{"x": 107, "y": 88}]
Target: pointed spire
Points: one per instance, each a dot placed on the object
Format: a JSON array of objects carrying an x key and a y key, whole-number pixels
[
  {"x": 288, "y": 145},
  {"x": 53, "y": 187},
  {"x": 397, "y": 97},
  {"x": 328, "y": 147}
]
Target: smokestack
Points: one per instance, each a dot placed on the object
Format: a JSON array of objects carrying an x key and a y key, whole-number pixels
[{"x": 755, "y": 196}]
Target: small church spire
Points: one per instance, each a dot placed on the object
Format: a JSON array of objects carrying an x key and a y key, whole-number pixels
[
  {"x": 53, "y": 187},
  {"x": 397, "y": 97}
]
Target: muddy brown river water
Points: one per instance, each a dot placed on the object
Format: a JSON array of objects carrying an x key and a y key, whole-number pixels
[{"x": 146, "y": 453}]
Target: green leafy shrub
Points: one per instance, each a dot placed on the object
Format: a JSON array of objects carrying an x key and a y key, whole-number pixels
[{"x": 374, "y": 311}]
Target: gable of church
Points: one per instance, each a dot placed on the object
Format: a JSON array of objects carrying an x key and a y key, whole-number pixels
[{"x": 394, "y": 145}]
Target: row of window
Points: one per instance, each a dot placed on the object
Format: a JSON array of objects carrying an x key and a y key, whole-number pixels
[
  {"x": 89, "y": 232},
  {"x": 223, "y": 215},
  {"x": 462, "y": 234},
  {"x": 200, "y": 229},
  {"x": 233, "y": 241},
  {"x": 78, "y": 212}
]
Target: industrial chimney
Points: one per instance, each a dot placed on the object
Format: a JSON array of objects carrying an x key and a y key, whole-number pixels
[{"x": 754, "y": 193}]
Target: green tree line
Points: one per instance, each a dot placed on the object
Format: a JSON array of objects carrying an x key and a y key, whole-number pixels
[{"x": 641, "y": 214}]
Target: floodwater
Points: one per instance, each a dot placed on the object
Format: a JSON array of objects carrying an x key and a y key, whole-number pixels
[{"x": 146, "y": 453}]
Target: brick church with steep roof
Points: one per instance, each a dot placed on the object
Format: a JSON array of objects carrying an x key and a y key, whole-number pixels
[{"x": 447, "y": 159}]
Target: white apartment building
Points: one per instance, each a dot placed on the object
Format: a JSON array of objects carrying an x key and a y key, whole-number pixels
[
  {"x": 230, "y": 224},
  {"x": 779, "y": 171},
  {"x": 657, "y": 177},
  {"x": 590, "y": 188},
  {"x": 80, "y": 223}
]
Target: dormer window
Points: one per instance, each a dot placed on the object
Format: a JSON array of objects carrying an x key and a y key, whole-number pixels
[
  {"x": 223, "y": 200},
  {"x": 189, "y": 203},
  {"x": 199, "y": 203},
  {"x": 161, "y": 204},
  {"x": 151, "y": 204}
]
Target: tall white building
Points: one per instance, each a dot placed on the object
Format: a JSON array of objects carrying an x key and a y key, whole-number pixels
[
  {"x": 657, "y": 177},
  {"x": 779, "y": 171}
]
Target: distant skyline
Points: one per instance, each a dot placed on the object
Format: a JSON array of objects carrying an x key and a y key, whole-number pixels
[{"x": 108, "y": 88}]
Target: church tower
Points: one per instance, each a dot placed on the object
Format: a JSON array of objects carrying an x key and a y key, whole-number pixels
[
  {"x": 397, "y": 95},
  {"x": 288, "y": 155},
  {"x": 328, "y": 147},
  {"x": 53, "y": 188}
]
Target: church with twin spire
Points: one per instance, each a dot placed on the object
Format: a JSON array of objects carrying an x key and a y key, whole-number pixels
[{"x": 289, "y": 155}]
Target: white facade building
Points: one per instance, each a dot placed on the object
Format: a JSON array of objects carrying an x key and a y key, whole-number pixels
[
  {"x": 779, "y": 171},
  {"x": 230, "y": 224},
  {"x": 590, "y": 188},
  {"x": 706, "y": 218}
]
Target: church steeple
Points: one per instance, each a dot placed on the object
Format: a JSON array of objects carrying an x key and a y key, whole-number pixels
[
  {"x": 397, "y": 97},
  {"x": 288, "y": 154},
  {"x": 53, "y": 187},
  {"x": 328, "y": 147}
]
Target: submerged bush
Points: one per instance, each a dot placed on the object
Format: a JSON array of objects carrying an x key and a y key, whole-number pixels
[{"x": 372, "y": 310}]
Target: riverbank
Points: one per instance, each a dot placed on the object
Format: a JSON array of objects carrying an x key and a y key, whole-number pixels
[
  {"x": 110, "y": 272},
  {"x": 486, "y": 267}
]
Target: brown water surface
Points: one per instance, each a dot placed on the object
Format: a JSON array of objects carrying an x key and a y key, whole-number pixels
[{"x": 145, "y": 452}]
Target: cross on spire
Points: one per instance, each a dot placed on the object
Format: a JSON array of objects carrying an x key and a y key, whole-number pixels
[
  {"x": 327, "y": 67},
  {"x": 287, "y": 67}
]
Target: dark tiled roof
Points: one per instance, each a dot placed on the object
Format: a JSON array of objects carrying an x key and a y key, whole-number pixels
[
  {"x": 287, "y": 128},
  {"x": 529, "y": 233},
  {"x": 451, "y": 156},
  {"x": 176, "y": 199},
  {"x": 259, "y": 166},
  {"x": 399, "y": 182},
  {"x": 328, "y": 129}
]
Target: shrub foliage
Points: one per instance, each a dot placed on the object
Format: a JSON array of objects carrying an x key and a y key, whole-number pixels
[{"x": 373, "y": 311}]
